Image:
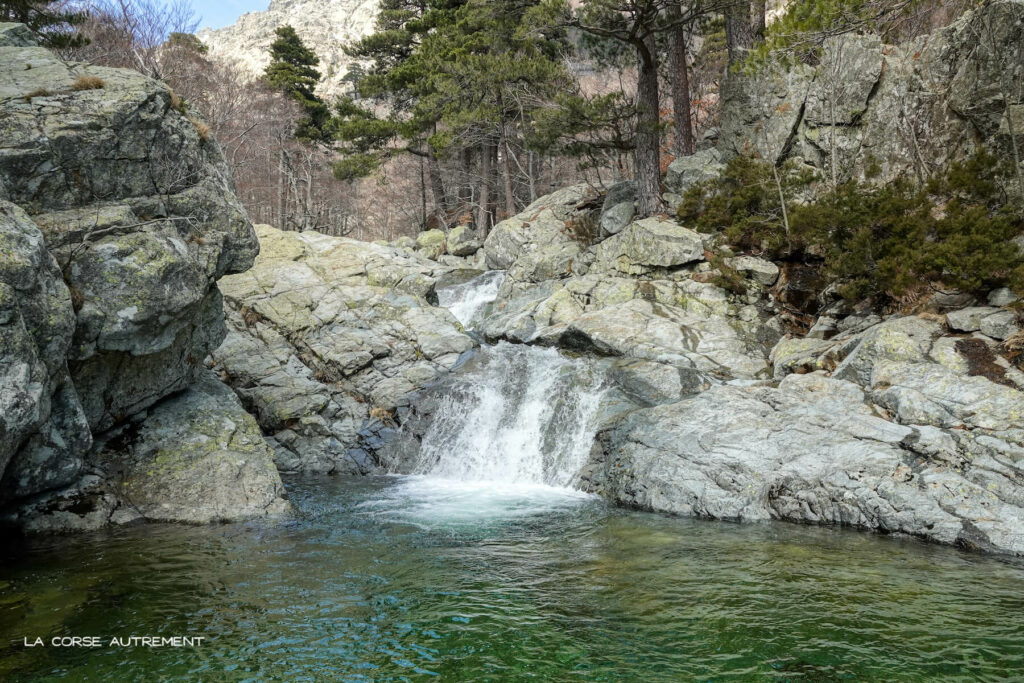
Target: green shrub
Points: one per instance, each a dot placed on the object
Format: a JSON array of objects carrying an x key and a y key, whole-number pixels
[{"x": 886, "y": 242}]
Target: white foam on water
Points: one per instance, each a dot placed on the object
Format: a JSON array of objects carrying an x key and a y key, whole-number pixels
[
  {"x": 429, "y": 501},
  {"x": 508, "y": 440},
  {"x": 468, "y": 300}
]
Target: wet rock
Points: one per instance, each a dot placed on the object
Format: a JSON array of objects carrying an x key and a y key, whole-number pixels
[
  {"x": 809, "y": 451},
  {"x": 197, "y": 458},
  {"x": 650, "y": 383}
]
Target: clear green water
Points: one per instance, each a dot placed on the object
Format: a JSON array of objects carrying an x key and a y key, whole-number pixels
[{"x": 408, "y": 579}]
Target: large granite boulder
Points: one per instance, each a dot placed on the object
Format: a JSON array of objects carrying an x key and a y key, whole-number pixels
[
  {"x": 326, "y": 333},
  {"x": 117, "y": 217},
  {"x": 890, "y": 425},
  {"x": 197, "y": 458},
  {"x": 462, "y": 241},
  {"x": 537, "y": 244},
  {"x": 648, "y": 247},
  {"x": 814, "y": 450},
  {"x": 137, "y": 207}
]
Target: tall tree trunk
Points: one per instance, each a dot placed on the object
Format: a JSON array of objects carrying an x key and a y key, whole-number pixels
[
  {"x": 681, "y": 102},
  {"x": 531, "y": 171},
  {"x": 646, "y": 155},
  {"x": 466, "y": 182},
  {"x": 311, "y": 220},
  {"x": 441, "y": 207},
  {"x": 484, "y": 195},
  {"x": 739, "y": 29},
  {"x": 280, "y": 187},
  {"x": 759, "y": 19},
  {"x": 493, "y": 210},
  {"x": 506, "y": 172},
  {"x": 423, "y": 198}
]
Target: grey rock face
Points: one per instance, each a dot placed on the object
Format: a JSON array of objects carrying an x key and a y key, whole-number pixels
[
  {"x": 1000, "y": 325},
  {"x": 895, "y": 428},
  {"x": 138, "y": 210},
  {"x": 633, "y": 294},
  {"x": 535, "y": 245},
  {"x": 431, "y": 243},
  {"x": 883, "y": 107},
  {"x": 326, "y": 333},
  {"x": 687, "y": 171},
  {"x": 619, "y": 208},
  {"x": 117, "y": 220},
  {"x": 759, "y": 270},
  {"x": 968, "y": 319},
  {"x": 15, "y": 35},
  {"x": 810, "y": 451},
  {"x": 43, "y": 432},
  {"x": 647, "y": 247},
  {"x": 1002, "y": 297},
  {"x": 462, "y": 241},
  {"x": 326, "y": 26},
  {"x": 197, "y": 458}
]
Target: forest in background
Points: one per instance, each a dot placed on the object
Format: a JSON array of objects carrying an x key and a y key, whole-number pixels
[{"x": 465, "y": 111}]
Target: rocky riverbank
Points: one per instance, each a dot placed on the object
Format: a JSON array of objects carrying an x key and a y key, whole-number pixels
[
  {"x": 162, "y": 359},
  {"x": 904, "y": 423},
  {"x": 117, "y": 218}
]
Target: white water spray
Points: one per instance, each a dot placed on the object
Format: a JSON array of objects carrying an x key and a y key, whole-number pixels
[
  {"x": 509, "y": 438},
  {"x": 526, "y": 416},
  {"x": 468, "y": 300}
]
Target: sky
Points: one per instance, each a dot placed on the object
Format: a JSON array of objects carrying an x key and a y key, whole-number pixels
[{"x": 220, "y": 13}]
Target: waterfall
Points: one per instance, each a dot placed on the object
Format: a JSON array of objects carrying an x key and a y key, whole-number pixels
[
  {"x": 468, "y": 300},
  {"x": 523, "y": 415},
  {"x": 515, "y": 415}
]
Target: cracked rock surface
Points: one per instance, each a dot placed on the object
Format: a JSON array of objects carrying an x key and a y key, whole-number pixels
[
  {"x": 898, "y": 110},
  {"x": 117, "y": 218},
  {"x": 327, "y": 334},
  {"x": 890, "y": 431}
]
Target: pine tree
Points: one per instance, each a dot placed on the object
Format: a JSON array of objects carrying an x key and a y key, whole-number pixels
[
  {"x": 48, "y": 19},
  {"x": 638, "y": 25},
  {"x": 292, "y": 70},
  {"x": 458, "y": 79}
]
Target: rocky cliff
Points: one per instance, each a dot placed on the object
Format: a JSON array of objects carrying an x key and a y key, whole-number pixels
[
  {"x": 325, "y": 26},
  {"x": 117, "y": 217},
  {"x": 878, "y": 112}
]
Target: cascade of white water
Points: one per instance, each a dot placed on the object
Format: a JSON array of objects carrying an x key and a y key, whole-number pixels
[
  {"x": 526, "y": 415},
  {"x": 468, "y": 300}
]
